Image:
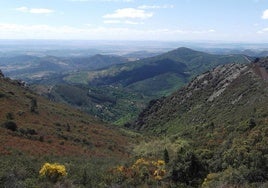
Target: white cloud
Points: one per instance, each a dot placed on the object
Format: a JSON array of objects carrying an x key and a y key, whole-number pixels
[
  {"x": 265, "y": 14},
  {"x": 121, "y": 22},
  {"x": 40, "y": 11},
  {"x": 264, "y": 30},
  {"x": 22, "y": 9},
  {"x": 88, "y": 25},
  {"x": 102, "y": 0},
  {"x": 112, "y": 21},
  {"x": 132, "y": 22},
  {"x": 155, "y": 6},
  {"x": 116, "y": 32},
  {"x": 192, "y": 32},
  {"x": 79, "y": 0},
  {"x": 34, "y": 10},
  {"x": 127, "y": 13},
  {"x": 21, "y": 31}
]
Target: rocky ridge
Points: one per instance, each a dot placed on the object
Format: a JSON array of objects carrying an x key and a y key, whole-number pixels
[{"x": 225, "y": 86}]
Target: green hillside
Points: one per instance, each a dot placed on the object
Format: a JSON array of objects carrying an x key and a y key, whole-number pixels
[
  {"x": 220, "y": 123},
  {"x": 95, "y": 62},
  {"x": 133, "y": 85}
]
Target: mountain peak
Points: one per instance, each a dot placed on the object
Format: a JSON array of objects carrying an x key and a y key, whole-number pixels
[{"x": 185, "y": 51}]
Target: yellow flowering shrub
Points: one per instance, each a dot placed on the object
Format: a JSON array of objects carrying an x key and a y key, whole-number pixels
[
  {"x": 53, "y": 171},
  {"x": 142, "y": 170},
  {"x": 210, "y": 177}
]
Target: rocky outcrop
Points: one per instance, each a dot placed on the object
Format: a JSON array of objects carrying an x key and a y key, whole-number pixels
[{"x": 220, "y": 89}]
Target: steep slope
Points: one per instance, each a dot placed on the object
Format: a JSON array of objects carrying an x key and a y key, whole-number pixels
[
  {"x": 210, "y": 97},
  {"x": 42, "y": 127},
  {"x": 34, "y": 131},
  {"x": 223, "y": 116}
]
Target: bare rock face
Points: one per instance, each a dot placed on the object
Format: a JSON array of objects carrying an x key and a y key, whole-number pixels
[{"x": 222, "y": 77}]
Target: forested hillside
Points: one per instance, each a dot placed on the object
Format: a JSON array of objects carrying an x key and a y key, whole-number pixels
[
  {"x": 220, "y": 121},
  {"x": 118, "y": 93}
]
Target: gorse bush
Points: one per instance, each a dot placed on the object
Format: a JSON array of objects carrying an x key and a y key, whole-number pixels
[
  {"x": 142, "y": 171},
  {"x": 53, "y": 172}
]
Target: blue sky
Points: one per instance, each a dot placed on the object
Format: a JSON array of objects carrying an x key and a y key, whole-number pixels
[{"x": 164, "y": 20}]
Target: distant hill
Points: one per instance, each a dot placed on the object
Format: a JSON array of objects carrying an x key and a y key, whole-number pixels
[
  {"x": 36, "y": 68},
  {"x": 140, "y": 81},
  {"x": 96, "y": 62},
  {"x": 195, "y": 62},
  {"x": 141, "y": 54},
  {"x": 32, "y": 67},
  {"x": 222, "y": 115},
  {"x": 119, "y": 88}
]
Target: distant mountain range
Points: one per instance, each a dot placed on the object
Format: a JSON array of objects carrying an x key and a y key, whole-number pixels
[
  {"x": 113, "y": 88},
  {"x": 140, "y": 81},
  {"x": 32, "y": 68}
]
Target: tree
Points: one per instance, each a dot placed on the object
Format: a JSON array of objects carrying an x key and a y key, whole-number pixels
[
  {"x": 166, "y": 156},
  {"x": 187, "y": 168},
  {"x": 34, "y": 105}
]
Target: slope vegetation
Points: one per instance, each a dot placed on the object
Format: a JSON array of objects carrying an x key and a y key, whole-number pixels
[
  {"x": 35, "y": 130},
  {"x": 141, "y": 81},
  {"x": 221, "y": 118}
]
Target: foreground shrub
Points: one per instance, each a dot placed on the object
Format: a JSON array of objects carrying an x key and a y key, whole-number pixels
[
  {"x": 53, "y": 171},
  {"x": 11, "y": 125},
  {"x": 142, "y": 171}
]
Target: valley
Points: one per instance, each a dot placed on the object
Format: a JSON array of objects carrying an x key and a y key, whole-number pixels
[
  {"x": 183, "y": 118},
  {"x": 133, "y": 94},
  {"x": 111, "y": 87}
]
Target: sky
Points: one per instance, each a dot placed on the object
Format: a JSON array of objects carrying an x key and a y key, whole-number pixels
[{"x": 141, "y": 20}]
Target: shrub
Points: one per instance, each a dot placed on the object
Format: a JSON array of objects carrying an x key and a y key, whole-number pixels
[
  {"x": 2, "y": 95},
  {"x": 34, "y": 105},
  {"x": 11, "y": 125},
  {"x": 53, "y": 171},
  {"x": 142, "y": 171},
  {"x": 166, "y": 156},
  {"x": 10, "y": 116}
]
